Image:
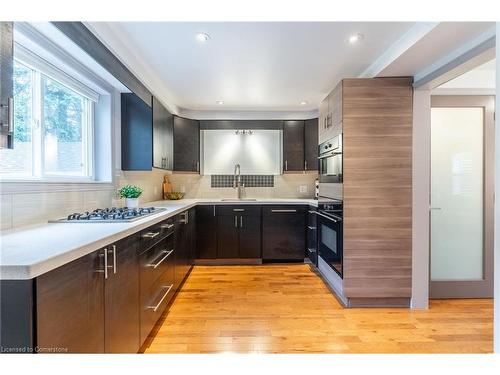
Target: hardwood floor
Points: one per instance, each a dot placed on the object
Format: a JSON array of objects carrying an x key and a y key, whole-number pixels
[{"x": 288, "y": 309}]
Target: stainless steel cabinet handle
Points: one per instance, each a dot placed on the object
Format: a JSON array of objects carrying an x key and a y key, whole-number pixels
[
  {"x": 197, "y": 166},
  {"x": 312, "y": 228},
  {"x": 435, "y": 208},
  {"x": 236, "y": 221},
  {"x": 286, "y": 165},
  {"x": 167, "y": 254},
  {"x": 241, "y": 221},
  {"x": 114, "y": 258},
  {"x": 238, "y": 209},
  {"x": 11, "y": 115},
  {"x": 186, "y": 217},
  {"x": 283, "y": 210},
  {"x": 166, "y": 226},
  {"x": 169, "y": 287},
  {"x": 150, "y": 235},
  {"x": 311, "y": 250},
  {"x": 311, "y": 211},
  {"x": 106, "y": 263},
  {"x": 214, "y": 210}
]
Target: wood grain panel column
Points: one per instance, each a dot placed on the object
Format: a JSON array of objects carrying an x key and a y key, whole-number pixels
[{"x": 377, "y": 130}]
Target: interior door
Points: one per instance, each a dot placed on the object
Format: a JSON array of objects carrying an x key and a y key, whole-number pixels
[{"x": 462, "y": 134}]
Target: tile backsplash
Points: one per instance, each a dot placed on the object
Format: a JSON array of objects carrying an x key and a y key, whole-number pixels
[{"x": 21, "y": 209}]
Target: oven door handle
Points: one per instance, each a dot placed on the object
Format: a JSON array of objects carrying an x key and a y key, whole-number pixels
[
  {"x": 329, "y": 155},
  {"x": 334, "y": 219}
]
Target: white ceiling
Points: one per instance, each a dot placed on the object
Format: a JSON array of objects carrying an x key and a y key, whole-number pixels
[{"x": 250, "y": 66}]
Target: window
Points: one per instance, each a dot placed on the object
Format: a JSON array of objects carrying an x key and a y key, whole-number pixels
[{"x": 53, "y": 125}]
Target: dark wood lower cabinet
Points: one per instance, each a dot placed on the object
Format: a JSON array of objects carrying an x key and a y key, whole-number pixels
[
  {"x": 184, "y": 244},
  {"x": 250, "y": 237},
  {"x": 70, "y": 307},
  {"x": 206, "y": 232},
  {"x": 121, "y": 295},
  {"x": 283, "y": 233},
  {"x": 227, "y": 237}
]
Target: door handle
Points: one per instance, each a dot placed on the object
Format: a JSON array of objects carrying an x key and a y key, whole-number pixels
[
  {"x": 311, "y": 250},
  {"x": 312, "y": 228},
  {"x": 435, "y": 208},
  {"x": 236, "y": 221},
  {"x": 238, "y": 209},
  {"x": 114, "y": 258},
  {"x": 283, "y": 211},
  {"x": 105, "y": 270},
  {"x": 241, "y": 221},
  {"x": 286, "y": 165}
]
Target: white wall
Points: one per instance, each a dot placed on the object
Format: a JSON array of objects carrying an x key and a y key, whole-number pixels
[
  {"x": 497, "y": 207},
  {"x": 421, "y": 183}
]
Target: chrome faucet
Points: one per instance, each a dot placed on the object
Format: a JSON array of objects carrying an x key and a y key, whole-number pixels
[{"x": 237, "y": 180}]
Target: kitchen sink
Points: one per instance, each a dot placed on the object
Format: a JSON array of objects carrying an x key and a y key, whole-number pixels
[{"x": 238, "y": 199}]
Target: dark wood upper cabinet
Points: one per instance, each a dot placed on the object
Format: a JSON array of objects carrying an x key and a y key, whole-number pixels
[
  {"x": 186, "y": 145},
  {"x": 311, "y": 145},
  {"x": 293, "y": 145},
  {"x": 163, "y": 136},
  {"x": 136, "y": 134},
  {"x": 6, "y": 84},
  {"x": 121, "y": 295},
  {"x": 70, "y": 306},
  {"x": 206, "y": 232}
]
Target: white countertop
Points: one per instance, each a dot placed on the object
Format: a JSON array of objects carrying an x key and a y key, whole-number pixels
[{"x": 31, "y": 251}]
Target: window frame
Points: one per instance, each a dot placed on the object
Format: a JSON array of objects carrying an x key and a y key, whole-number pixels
[{"x": 41, "y": 70}]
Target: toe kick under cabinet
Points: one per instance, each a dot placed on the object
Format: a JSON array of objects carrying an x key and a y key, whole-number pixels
[{"x": 107, "y": 301}]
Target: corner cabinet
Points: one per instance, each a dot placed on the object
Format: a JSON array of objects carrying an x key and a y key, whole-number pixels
[
  {"x": 186, "y": 145},
  {"x": 6, "y": 84},
  {"x": 136, "y": 134},
  {"x": 206, "y": 232},
  {"x": 163, "y": 136}
]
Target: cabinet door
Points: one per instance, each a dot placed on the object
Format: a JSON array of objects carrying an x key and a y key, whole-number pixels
[
  {"x": 312, "y": 237},
  {"x": 122, "y": 297},
  {"x": 206, "y": 233},
  {"x": 186, "y": 145},
  {"x": 70, "y": 306},
  {"x": 227, "y": 236},
  {"x": 293, "y": 145},
  {"x": 6, "y": 84},
  {"x": 184, "y": 242},
  {"x": 335, "y": 106},
  {"x": 323, "y": 113},
  {"x": 283, "y": 233},
  {"x": 311, "y": 145},
  {"x": 162, "y": 136},
  {"x": 249, "y": 237},
  {"x": 136, "y": 134}
]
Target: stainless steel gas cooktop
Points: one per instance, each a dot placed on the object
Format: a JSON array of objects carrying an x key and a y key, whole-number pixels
[{"x": 110, "y": 215}]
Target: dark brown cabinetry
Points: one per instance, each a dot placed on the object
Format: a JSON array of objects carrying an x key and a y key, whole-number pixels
[
  {"x": 70, "y": 306},
  {"x": 185, "y": 242},
  {"x": 238, "y": 232},
  {"x": 206, "y": 232},
  {"x": 293, "y": 145},
  {"x": 311, "y": 145},
  {"x": 6, "y": 84},
  {"x": 136, "y": 134},
  {"x": 121, "y": 295},
  {"x": 283, "y": 233},
  {"x": 163, "y": 136},
  {"x": 186, "y": 145}
]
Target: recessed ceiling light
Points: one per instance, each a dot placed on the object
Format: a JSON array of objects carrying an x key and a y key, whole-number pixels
[
  {"x": 355, "y": 38},
  {"x": 202, "y": 37},
  {"x": 220, "y": 102},
  {"x": 303, "y": 102}
]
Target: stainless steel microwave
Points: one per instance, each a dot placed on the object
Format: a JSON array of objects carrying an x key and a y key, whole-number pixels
[{"x": 330, "y": 160}]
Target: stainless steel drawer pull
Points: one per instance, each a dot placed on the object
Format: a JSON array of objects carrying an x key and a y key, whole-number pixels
[
  {"x": 312, "y": 228},
  {"x": 167, "y": 253},
  {"x": 311, "y": 212},
  {"x": 166, "y": 226},
  {"x": 311, "y": 250},
  {"x": 150, "y": 235},
  {"x": 283, "y": 210},
  {"x": 238, "y": 209},
  {"x": 169, "y": 287}
]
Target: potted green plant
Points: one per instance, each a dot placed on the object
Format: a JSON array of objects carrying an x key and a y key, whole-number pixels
[{"x": 131, "y": 194}]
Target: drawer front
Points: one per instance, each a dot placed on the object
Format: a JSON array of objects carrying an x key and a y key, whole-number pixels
[
  {"x": 154, "y": 300},
  {"x": 156, "y": 233},
  {"x": 157, "y": 260},
  {"x": 240, "y": 210},
  {"x": 283, "y": 209}
]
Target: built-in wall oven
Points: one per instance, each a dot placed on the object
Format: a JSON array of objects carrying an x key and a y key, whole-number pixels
[
  {"x": 330, "y": 232},
  {"x": 330, "y": 160}
]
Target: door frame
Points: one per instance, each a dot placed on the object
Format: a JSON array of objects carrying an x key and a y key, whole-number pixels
[{"x": 473, "y": 288}]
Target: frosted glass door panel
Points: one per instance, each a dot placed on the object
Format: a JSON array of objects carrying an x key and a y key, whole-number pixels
[
  {"x": 257, "y": 153},
  {"x": 457, "y": 194}
]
